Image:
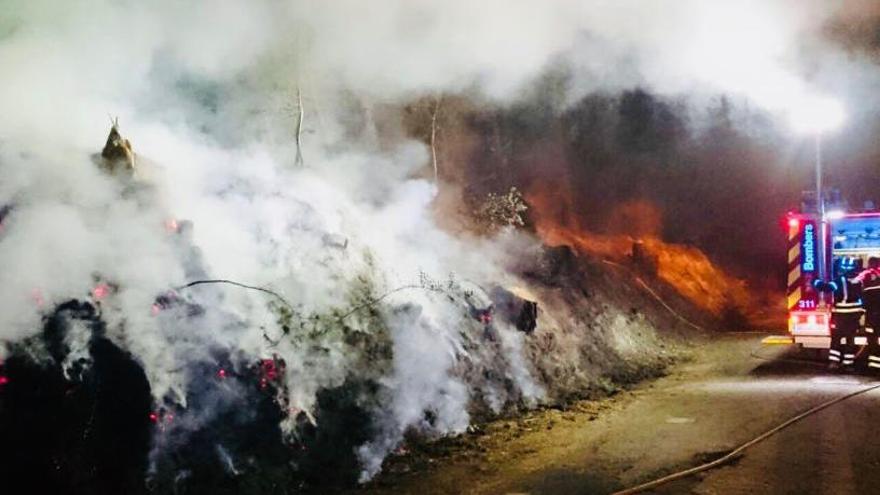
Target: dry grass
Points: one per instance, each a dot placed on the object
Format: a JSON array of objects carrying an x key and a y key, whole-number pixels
[{"x": 685, "y": 268}]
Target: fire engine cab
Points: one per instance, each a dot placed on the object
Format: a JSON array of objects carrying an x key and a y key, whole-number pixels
[{"x": 815, "y": 241}]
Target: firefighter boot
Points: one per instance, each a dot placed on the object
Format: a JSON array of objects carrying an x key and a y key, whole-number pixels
[
  {"x": 834, "y": 358},
  {"x": 874, "y": 354},
  {"x": 848, "y": 356}
]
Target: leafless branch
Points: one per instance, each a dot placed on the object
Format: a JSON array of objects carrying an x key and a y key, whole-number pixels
[
  {"x": 434, "y": 136},
  {"x": 299, "y": 126}
]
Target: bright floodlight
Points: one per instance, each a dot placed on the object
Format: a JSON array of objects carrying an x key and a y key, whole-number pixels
[{"x": 817, "y": 115}]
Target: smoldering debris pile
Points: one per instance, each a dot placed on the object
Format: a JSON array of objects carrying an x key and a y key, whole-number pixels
[{"x": 82, "y": 410}]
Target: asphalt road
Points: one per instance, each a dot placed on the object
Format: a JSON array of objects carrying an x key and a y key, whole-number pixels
[
  {"x": 731, "y": 392},
  {"x": 836, "y": 450}
]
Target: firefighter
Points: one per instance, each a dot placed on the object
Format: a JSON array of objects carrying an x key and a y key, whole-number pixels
[
  {"x": 870, "y": 282},
  {"x": 847, "y": 313}
]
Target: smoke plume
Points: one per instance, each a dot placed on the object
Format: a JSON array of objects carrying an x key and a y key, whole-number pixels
[{"x": 215, "y": 96}]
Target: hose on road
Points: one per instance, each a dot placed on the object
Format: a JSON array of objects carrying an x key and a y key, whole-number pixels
[{"x": 742, "y": 448}]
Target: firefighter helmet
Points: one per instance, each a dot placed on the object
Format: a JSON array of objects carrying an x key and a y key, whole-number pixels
[{"x": 846, "y": 265}]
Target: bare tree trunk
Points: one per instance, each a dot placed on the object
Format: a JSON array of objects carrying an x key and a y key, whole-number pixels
[
  {"x": 434, "y": 137},
  {"x": 299, "y": 126},
  {"x": 499, "y": 146}
]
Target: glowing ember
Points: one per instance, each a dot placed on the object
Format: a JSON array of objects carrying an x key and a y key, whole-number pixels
[
  {"x": 270, "y": 370},
  {"x": 486, "y": 318},
  {"x": 172, "y": 226},
  {"x": 221, "y": 373},
  {"x": 37, "y": 297},
  {"x": 101, "y": 291},
  {"x": 161, "y": 418},
  {"x": 163, "y": 302}
]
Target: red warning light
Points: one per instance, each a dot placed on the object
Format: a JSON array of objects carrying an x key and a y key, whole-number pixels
[
  {"x": 221, "y": 373},
  {"x": 154, "y": 417},
  {"x": 794, "y": 223},
  {"x": 3, "y": 380}
]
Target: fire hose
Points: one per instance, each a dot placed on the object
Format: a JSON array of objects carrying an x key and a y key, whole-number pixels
[
  {"x": 282, "y": 300},
  {"x": 277, "y": 296},
  {"x": 369, "y": 303},
  {"x": 737, "y": 452}
]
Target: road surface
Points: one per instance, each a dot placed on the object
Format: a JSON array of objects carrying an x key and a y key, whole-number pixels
[{"x": 731, "y": 391}]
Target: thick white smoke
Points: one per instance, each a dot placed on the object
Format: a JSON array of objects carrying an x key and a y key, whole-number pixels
[{"x": 207, "y": 92}]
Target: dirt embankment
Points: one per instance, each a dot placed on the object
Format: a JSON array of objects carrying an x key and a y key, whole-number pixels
[
  {"x": 602, "y": 328},
  {"x": 606, "y": 444}
]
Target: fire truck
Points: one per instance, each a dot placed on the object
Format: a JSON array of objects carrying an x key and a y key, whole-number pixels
[{"x": 815, "y": 241}]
